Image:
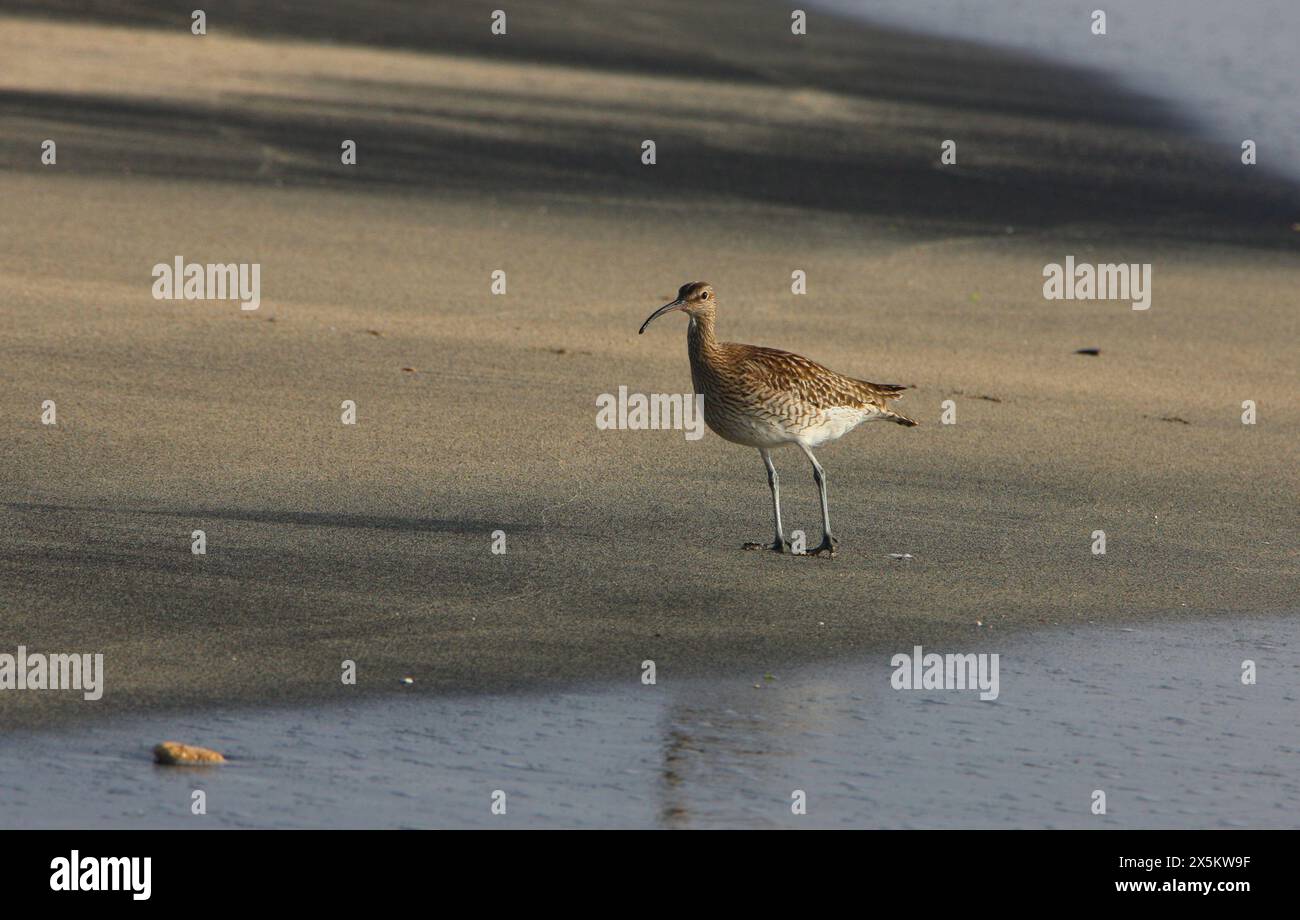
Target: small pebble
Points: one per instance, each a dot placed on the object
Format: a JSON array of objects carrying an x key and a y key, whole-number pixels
[{"x": 176, "y": 754}]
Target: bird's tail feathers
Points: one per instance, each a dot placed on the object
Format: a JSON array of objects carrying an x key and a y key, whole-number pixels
[
  {"x": 890, "y": 390},
  {"x": 879, "y": 393}
]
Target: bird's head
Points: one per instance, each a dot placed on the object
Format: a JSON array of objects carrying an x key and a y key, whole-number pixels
[{"x": 696, "y": 298}]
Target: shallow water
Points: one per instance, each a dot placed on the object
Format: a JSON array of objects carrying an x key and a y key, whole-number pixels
[
  {"x": 1231, "y": 65},
  {"x": 1156, "y": 716}
]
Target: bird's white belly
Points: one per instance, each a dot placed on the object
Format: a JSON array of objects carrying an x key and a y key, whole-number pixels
[
  {"x": 771, "y": 429},
  {"x": 829, "y": 424}
]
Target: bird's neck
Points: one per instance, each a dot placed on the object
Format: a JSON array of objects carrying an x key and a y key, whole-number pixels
[{"x": 700, "y": 340}]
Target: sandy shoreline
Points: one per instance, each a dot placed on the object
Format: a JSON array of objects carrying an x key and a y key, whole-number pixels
[{"x": 373, "y": 543}]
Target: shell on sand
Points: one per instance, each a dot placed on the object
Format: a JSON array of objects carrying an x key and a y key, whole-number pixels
[{"x": 173, "y": 752}]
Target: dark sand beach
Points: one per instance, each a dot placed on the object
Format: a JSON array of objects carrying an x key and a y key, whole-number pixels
[{"x": 476, "y": 411}]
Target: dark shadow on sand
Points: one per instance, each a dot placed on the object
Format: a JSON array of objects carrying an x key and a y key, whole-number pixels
[{"x": 1043, "y": 146}]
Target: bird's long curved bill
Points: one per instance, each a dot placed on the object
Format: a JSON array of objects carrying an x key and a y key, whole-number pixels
[{"x": 666, "y": 308}]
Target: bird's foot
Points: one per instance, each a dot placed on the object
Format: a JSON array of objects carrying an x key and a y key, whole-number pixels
[
  {"x": 827, "y": 548},
  {"x": 776, "y": 546}
]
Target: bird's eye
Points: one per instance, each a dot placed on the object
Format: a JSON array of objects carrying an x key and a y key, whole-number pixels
[{"x": 704, "y": 295}]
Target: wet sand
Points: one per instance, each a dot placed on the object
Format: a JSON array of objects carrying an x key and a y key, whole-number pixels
[
  {"x": 373, "y": 542},
  {"x": 1154, "y": 716}
]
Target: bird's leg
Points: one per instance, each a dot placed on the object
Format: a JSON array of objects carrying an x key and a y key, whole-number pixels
[
  {"x": 827, "y": 546},
  {"x": 774, "y": 483}
]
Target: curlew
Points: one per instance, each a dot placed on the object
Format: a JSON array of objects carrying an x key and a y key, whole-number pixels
[{"x": 764, "y": 398}]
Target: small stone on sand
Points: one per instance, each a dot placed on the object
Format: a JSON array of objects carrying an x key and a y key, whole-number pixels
[{"x": 175, "y": 753}]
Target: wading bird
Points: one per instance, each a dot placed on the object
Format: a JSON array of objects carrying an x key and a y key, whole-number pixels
[{"x": 766, "y": 398}]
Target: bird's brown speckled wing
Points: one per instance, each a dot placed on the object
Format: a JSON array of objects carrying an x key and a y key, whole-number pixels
[{"x": 776, "y": 372}]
